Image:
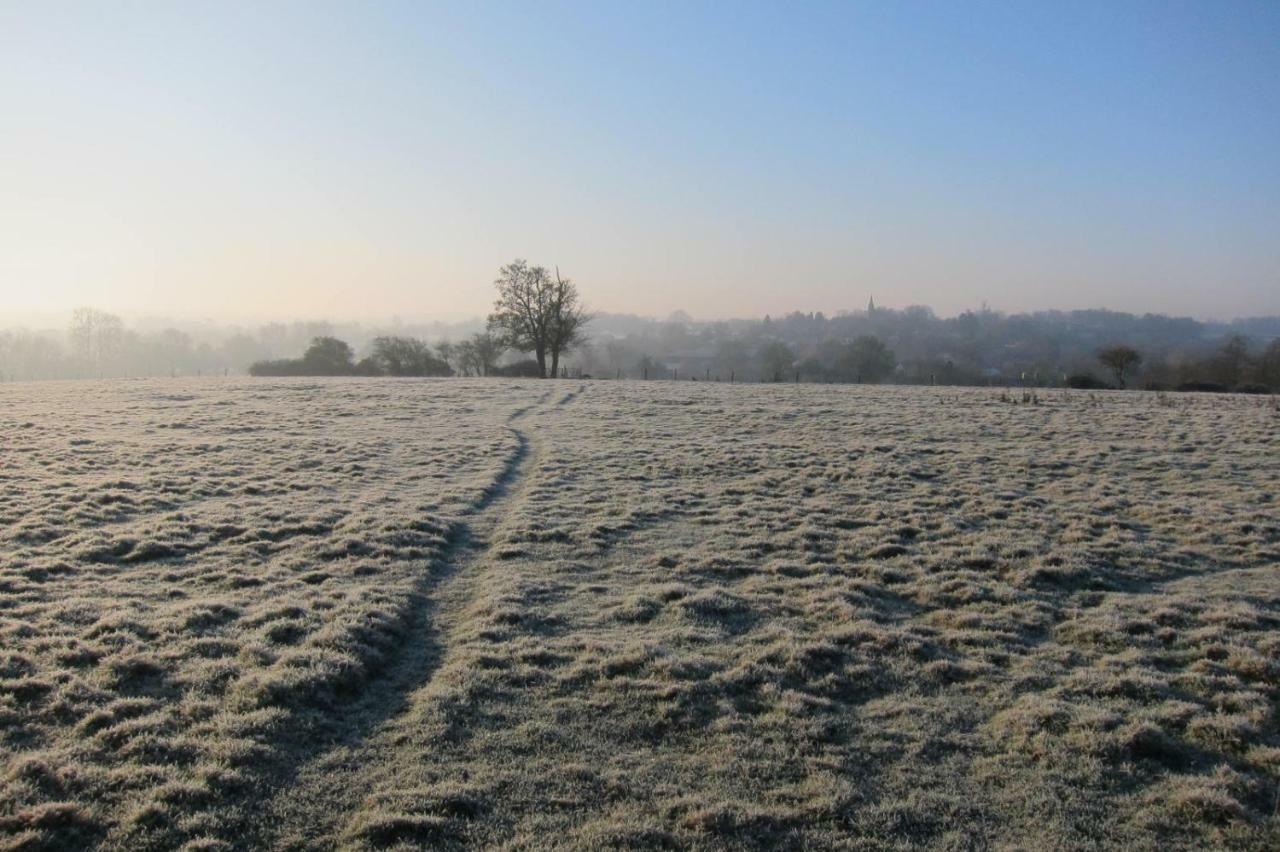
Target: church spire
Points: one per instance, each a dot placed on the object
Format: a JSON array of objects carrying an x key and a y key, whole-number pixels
[{"x": 871, "y": 305}]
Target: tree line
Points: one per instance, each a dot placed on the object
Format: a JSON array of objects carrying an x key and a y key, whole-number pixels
[
  {"x": 535, "y": 313},
  {"x": 534, "y": 310},
  {"x": 1232, "y": 366},
  {"x": 389, "y": 356},
  {"x": 913, "y": 346}
]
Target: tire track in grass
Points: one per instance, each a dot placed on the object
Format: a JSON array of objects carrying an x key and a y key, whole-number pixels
[{"x": 311, "y": 806}]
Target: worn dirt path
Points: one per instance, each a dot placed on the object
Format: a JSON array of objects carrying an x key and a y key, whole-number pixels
[{"x": 311, "y": 811}]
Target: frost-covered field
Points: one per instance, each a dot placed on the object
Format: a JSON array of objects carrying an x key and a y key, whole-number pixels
[{"x": 635, "y": 614}]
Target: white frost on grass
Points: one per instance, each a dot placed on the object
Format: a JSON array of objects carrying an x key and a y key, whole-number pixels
[
  {"x": 706, "y": 616},
  {"x": 193, "y": 569}
]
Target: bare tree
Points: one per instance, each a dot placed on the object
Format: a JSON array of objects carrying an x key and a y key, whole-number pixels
[
  {"x": 96, "y": 336},
  {"x": 406, "y": 356},
  {"x": 447, "y": 352},
  {"x": 566, "y": 326},
  {"x": 464, "y": 352},
  {"x": 1119, "y": 359},
  {"x": 478, "y": 354},
  {"x": 522, "y": 313},
  {"x": 81, "y": 333},
  {"x": 485, "y": 349}
]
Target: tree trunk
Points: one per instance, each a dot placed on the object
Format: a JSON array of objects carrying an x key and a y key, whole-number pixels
[
  {"x": 555, "y": 364},
  {"x": 542, "y": 363}
]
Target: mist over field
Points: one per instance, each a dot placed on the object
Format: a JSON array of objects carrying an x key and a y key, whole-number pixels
[{"x": 978, "y": 347}]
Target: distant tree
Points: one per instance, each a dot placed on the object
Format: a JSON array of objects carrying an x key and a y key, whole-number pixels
[
  {"x": 484, "y": 350},
  {"x": 616, "y": 354},
  {"x": 566, "y": 321},
  {"x": 396, "y": 356},
  {"x": 367, "y": 367},
  {"x": 464, "y": 355},
  {"x": 172, "y": 350},
  {"x": 522, "y": 313},
  {"x": 81, "y": 332},
  {"x": 645, "y": 367},
  {"x": 1119, "y": 359},
  {"x": 329, "y": 356},
  {"x": 447, "y": 352},
  {"x": 732, "y": 357},
  {"x": 1267, "y": 368},
  {"x": 240, "y": 350},
  {"x": 96, "y": 336},
  {"x": 776, "y": 360},
  {"x": 33, "y": 356},
  {"x": 1229, "y": 363},
  {"x": 406, "y": 356},
  {"x": 828, "y": 353},
  {"x": 866, "y": 359},
  {"x": 812, "y": 369}
]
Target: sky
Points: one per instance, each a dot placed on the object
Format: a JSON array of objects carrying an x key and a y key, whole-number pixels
[{"x": 236, "y": 161}]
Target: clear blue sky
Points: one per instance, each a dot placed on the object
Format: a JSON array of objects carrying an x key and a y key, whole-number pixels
[{"x": 239, "y": 160}]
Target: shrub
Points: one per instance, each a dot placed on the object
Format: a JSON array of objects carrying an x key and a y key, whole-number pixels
[
  {"x": 1084, "y": 381},
  {"x": 327, "y": 356},
  {"x": 278, "y": 367}
]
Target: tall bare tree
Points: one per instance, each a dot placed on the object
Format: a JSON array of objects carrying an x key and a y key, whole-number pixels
[
  {"x": 522, "y": 313},
  {"x": 566, "y": 327}
]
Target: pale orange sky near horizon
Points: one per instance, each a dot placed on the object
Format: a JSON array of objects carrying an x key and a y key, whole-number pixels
[{"x": 242, "y": 163}]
